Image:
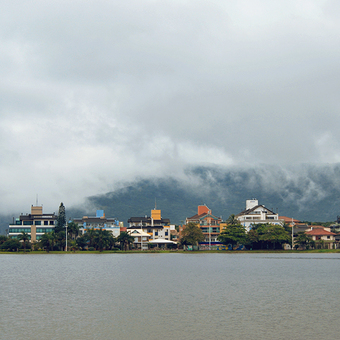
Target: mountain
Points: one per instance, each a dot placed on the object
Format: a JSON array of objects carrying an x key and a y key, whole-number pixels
[{"x": 305, "y": 192}]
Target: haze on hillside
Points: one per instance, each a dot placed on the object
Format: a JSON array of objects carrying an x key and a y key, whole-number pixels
[{"x": 97, "y": 94}]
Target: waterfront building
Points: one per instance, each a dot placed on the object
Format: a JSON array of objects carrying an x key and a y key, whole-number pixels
[
  {"x": 256, "y": 213},
  {"x": 155, "y": 226},
  {"x": 141, "y": 238},
  {"x": 210, "y": 225},
  {"x": 100, "y": 221},
  {"x": 323, "y": 235},
  {"x": 34, "y": 224}
]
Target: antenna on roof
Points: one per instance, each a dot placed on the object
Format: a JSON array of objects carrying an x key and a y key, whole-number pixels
[
  {"x": 155, "y": 204},
  {"x": 36, "y": 201}
]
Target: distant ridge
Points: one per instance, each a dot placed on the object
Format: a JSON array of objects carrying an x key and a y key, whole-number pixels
[{"x": 305, "y": 192}]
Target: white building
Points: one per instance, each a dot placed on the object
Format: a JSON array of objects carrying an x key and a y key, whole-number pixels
[
  {"x": 141, "y": 238},
  {"x": 256, "y": 213},
  {"x": 99, "y": 222}
]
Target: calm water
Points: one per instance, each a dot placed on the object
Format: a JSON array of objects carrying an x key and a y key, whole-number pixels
[{"x": 170, "y": 296}]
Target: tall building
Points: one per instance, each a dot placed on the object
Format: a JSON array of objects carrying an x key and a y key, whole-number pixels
[
  {"x": 210, "y": 225},
  {"x": 35, "y": 224}
]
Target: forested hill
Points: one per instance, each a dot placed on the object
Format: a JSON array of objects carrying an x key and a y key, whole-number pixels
[{"x": 306, "y": 193}]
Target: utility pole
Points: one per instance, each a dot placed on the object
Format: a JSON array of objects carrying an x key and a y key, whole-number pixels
[
  {"x": 292, "y": 234},
  {"x": 66, "y": 237},
  {"x": 210, "y": 235}
]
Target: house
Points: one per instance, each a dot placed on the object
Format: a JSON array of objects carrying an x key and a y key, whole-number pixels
[
  {"x": 141, "y": 238},
  {"x": 34, "y": 224},
  {"x": 322, "y": 235},
  {"x": 155, "y": 226},
  {"x": 256, "y": 213},
  {"x": 100, "y": 221},
  {"x": 210, "y": 225}
]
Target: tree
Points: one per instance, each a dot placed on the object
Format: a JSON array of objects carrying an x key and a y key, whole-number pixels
[
  {"x": 3, "y": 239},
  {"x": 90, "y": 234},
  {"x": 191, "y": 234},
  {"x": 24, "y": 237},
  {"x": 81, "y": 241},
  {"x": 274, "y": 234},
  {"x": 60, "y": 240},
  {"x": 232, "y": 220},
  {"x": 265, "y": 236},
  {"x": 303, "y": 240},
  {"x": 125, "y": 239},
  {"x": 233, "y": 234},
  {"x": 101, "y": 239},
  {"x": 61, "y": 219},
  {"x": 73, "y": 229},
  {"x": 11, "y": 244},
  {"x": 47, "y": 241},
  {"x": 73, "y": 246}
]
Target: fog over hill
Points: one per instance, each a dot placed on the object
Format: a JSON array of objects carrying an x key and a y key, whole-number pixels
[{"x": 305, "y": 192}]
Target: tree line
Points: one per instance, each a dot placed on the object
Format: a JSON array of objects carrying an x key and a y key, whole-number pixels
[
  {"x": 260, "y": 237},
  {"x": 93, "y": 239}
]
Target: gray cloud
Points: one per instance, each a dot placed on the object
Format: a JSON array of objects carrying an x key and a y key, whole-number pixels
[{"x": 96, "y": 93}]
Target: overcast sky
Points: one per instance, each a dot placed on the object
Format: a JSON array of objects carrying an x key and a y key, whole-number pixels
[{"x": 96, "y": 93}]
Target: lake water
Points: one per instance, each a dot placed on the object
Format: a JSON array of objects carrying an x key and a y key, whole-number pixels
[{"x": 170, "y": 296}]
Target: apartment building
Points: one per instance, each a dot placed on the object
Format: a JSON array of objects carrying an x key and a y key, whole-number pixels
[
  {"x": 35, "y": 224},
  {"x": 100, "y": 221},
  {"x": 210, "y": 225},
  {"x": 256, "y": 213}
]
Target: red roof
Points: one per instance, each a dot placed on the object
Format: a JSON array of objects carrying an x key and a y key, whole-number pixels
[
  {"x": 288, "y": 219},
  {"x": 319, "y": 232}
]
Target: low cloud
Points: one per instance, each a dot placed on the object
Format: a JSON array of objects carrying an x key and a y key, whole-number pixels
[{"x": 97, "y": 94}]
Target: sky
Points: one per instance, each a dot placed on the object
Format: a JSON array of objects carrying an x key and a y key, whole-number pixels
[{"x": 94, "y": 94}]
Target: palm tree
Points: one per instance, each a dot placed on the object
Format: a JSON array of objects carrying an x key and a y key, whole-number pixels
[
  {"x": 303, "y": 240},
  {"x": 73, "y": 246},
  {"x": 232, "y": 220},
  {"x": 101, "y": 239},
  {"x": 53, "y": 237},
  {"x": 125, "y": 240},
  {"x": 46, "y": 241},
  {"x": 73, "y": 229},
  {"x": 90, "y": 234},
  {"x": 24, "y": 237}
]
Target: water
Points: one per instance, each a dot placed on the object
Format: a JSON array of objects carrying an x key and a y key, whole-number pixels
[{"x": 170, "y": 296}]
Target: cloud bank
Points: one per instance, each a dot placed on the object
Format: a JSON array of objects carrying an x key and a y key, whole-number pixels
[{"x": 96, "y": 93}]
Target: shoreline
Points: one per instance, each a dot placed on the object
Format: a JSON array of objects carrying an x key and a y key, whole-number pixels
[{"x": 323, "y": 251}]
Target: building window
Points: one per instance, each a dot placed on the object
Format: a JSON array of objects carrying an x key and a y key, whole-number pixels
[
  {"x": 37, "y": 222},
  {"x": 44, "y": 230},
  {"x": 51, "y": 222},
  {"x": 45, "y": 222},
  {"x": 19, "y": 230},
  {"x": 28, "y": 222},
  {"x": 156, "y": 233}
]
